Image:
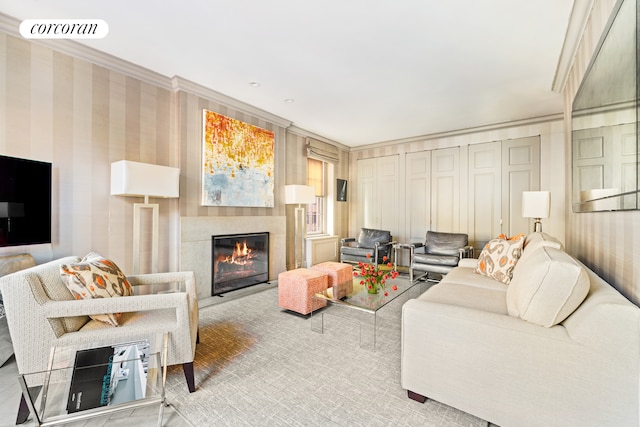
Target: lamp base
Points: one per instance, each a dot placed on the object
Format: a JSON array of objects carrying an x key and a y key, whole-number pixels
[
  {"x": 537, "y": 226},
  {"x": 299, "y": 233}
]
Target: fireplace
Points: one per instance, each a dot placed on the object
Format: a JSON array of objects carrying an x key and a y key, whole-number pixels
[{"x": 238, "y": 261}]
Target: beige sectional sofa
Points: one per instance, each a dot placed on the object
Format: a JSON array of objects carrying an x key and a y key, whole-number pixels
[{"x": 557, "y": 346}]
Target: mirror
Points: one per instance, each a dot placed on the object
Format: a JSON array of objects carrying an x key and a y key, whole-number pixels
[{"x": 604, "y": 121}]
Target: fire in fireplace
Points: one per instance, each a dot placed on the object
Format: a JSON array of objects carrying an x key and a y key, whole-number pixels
[{"x": 238, "y": 261}]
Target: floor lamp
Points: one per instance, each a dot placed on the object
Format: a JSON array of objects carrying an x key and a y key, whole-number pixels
[
  {"x": 536, "y": 205},
  {"x": 146, "y": 180},
  {"x": 299, "y": 195}
]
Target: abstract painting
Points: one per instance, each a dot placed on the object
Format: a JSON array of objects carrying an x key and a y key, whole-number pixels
[{"x": 237, "y": 163}]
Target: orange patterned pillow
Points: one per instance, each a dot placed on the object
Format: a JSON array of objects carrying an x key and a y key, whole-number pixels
[
  {"x": 499, "y": 257},
  {"x": 504, "y": 236},
  {"x": 96, "y": 277}
]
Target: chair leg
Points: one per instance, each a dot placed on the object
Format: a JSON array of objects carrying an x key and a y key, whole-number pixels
[{"x": 188, "y": 374}]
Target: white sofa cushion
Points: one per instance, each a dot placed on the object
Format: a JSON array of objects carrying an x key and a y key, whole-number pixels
[
  {"x": 538, "y": 240},
  {"x": 467, "y": 276},
  {"x": 547, "y": 286}
]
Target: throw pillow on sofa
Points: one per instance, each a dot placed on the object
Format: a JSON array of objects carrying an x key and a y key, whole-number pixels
[
  {"x": 547, "y": 286},
  {"x": 499, "y": 257},
  {"x": 96, "y": 277}
]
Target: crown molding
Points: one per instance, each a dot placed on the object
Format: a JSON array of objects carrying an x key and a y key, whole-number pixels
[
  {"x": 466, "y": 131},
  {"x": 72, "y": 48},
  {"x": 77, "y": 50},
  {"x": 307, "y": 134},
  {"x": 180, "y": 84},
  {"x": 578, "y": 19}
]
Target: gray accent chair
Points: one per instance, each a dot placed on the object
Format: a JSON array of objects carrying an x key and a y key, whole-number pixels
[
  {"x": 439, "y": 254},
  {"x": 376, "y": 243}
]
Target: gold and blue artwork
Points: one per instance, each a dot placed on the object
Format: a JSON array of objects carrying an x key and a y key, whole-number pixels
[{"x": 238, "y": 163}]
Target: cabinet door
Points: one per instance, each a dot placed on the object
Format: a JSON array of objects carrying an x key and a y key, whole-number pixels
[
  {"x": 498, "y": 174},
  {"x": 520, "y": 172},
  {"x": 445, "y": 190},
  {"x": 378, "y": 193},
  {"x": 367, "y": 196},
  {"x": 485, "y": 192},
  {"x": 418, "y": 196}
]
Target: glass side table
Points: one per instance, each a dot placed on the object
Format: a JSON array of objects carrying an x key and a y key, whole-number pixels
[{"x": 91, "y": 380}]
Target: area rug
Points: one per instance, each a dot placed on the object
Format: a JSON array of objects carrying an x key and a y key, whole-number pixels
[{"x": 258, "y": 365}]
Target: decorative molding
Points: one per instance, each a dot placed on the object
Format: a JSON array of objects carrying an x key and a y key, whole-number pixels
[
  {"x": 460, "y": 132},
  {"x": 305, "y": 133},
  {"x": 180, "y": 84},
  {"x": 575, "y": 29},
  {"x": 77, "y": 50}
]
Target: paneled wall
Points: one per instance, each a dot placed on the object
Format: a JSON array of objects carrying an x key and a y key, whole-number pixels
[
  {"x": 552, "y": 170},
  {"x": 607, "y": 242}
]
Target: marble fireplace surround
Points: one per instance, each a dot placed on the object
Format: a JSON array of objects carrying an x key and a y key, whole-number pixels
[{"x": 195, "y": 243}]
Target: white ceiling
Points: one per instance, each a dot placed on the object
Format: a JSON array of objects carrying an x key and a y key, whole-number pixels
[{"x": 359, "y": 71}]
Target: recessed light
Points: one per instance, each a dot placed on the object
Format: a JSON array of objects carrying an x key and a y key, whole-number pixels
[
  {"x": 289, "y": 100},
  {"x": 254, "y": 84}
]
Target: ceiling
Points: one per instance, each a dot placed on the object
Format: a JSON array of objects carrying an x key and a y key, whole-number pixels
[{"x": 358, "y": 71}]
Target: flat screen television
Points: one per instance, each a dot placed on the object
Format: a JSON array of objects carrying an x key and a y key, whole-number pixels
[{"x": 25, "y": 202}]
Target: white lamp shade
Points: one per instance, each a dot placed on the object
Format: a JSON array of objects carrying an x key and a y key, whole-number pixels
[
  {"x": 299, "y": 194},
  {"x": 143, "y": 179},
  {"x": 536, "y": 204}
]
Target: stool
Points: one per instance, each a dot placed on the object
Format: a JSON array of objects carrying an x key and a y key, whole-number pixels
[
  {"x": 297, "y": 287},
  {"x": 340, "y": 277}
]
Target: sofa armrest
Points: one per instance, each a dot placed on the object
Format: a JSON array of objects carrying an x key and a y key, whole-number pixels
[
  {"x": 468, "y": 263},
  {"x": 347, "y": 240}
]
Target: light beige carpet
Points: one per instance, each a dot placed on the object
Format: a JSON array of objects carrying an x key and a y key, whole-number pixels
[{"x": 257, "y": 365}]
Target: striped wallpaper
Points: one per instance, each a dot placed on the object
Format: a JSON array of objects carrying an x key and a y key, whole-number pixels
[
  {"x": 62, "y": 108},
  {"x": 605, "y": 241},
  {"x": 81, "y": 117}
]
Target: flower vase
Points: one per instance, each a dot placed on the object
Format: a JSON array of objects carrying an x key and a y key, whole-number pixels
[{"x": 373, "y": 289}]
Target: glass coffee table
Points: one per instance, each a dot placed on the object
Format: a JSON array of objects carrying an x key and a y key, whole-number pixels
[{"x": 362, "y": 305}]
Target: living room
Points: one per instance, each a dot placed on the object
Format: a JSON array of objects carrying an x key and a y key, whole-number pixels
[{"x": 82, "y": 110}]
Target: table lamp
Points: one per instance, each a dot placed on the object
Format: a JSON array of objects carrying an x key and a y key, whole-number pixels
[{"x": 536, "y": 205}]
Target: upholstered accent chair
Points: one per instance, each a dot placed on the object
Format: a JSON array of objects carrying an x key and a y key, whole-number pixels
[
  {"x": 42, "y": 313},
  {"x": 375, "y": 243},
  {"x": 439, "y": 254}
]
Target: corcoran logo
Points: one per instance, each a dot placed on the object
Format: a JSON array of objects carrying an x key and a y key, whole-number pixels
[{"x": 64, "y": 29}]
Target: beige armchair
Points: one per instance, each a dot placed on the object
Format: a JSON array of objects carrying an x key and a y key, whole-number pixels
[{"x": 42, "y": 313}]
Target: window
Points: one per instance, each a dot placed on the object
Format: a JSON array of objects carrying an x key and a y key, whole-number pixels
[{"x": 316, "y": 177}]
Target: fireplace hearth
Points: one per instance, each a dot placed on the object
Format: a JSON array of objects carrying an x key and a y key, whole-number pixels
[{"x": 238, "y": 261}]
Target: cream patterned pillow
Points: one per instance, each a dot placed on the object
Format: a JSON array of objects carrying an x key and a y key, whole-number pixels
[
  {"x": 96, "y": 277},
  {"x": 499, "y": 257}
]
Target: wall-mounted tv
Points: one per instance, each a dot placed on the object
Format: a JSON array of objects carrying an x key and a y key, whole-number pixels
[{"x": 25, "y": 201}]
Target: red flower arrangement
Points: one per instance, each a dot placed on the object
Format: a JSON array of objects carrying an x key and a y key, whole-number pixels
[{"x": 373, "y": 277}]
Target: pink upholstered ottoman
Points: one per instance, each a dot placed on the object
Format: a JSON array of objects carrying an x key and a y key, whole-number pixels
[
  {"x": 297, "y": 287},
  {"x": 340, "y": 277}
]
